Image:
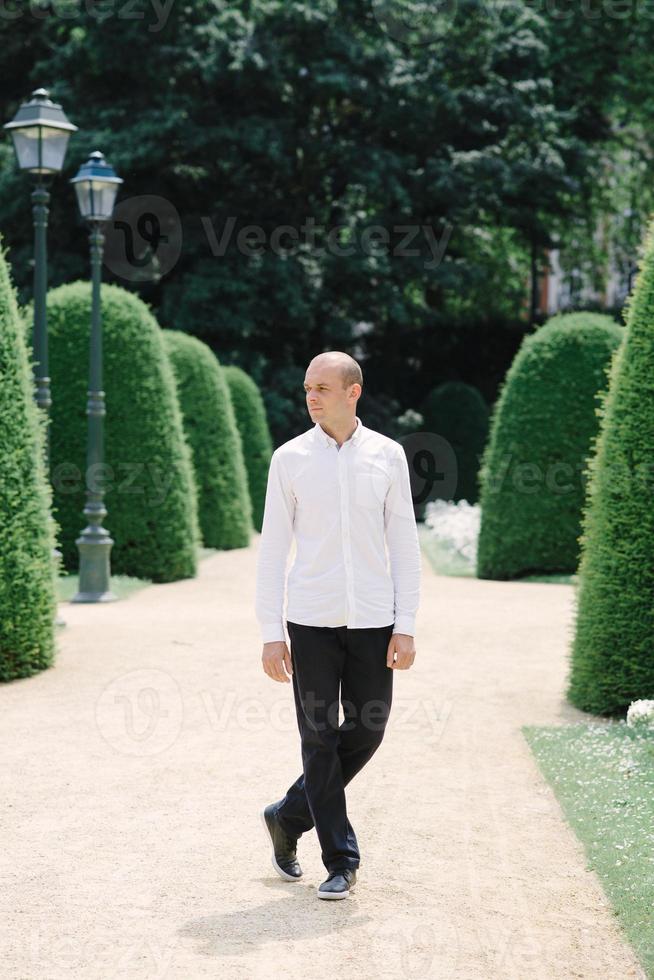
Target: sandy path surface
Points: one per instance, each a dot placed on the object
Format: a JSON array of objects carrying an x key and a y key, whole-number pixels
[{"x": 134, "y": 772}]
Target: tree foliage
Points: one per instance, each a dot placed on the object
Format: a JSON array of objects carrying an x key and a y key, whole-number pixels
[
  {"x": 147, "y": 477},
  {"x": 250, "y": 415},
  {"x": 543, "y": 426},
  {"x": 441, "y": 165},
  {"x": 611, "y": 661},
  {"x": 212, "y": 432},
  {"x": 28, "y": 573}
]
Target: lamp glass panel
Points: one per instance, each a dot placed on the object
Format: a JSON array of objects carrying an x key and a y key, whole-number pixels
[
  {"x": 96, "y": 198},
  {"x": 105, "y": 193},
  {"x": 53, "y": 148},
  {"x": 26, "y": 144},
  {"x": 53, "y": 144},
  {"x": 82, "y": 190}
]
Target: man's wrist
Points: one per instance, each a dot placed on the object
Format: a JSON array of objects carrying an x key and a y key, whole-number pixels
[
  {"x": 405, "y": 624},
  {"x": 273, "y": 633}
]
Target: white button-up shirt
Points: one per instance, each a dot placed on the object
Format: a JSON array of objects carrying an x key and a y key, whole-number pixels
[{"x": 357, "y": 561}]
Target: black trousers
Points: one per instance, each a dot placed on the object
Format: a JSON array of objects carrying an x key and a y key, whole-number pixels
[{"x": 324, "y": 657}]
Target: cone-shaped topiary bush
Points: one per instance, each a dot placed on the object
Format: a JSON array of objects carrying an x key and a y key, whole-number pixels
[
  {"x": 28, "y": 571},
  {"x": 212, "y": 432},
  {"x": 150, "y": 492},
  {"x": 252, "y": 422},
  {"x": 544, "y": 420},
  {"x": 612, "y": 661},
  {"x": 457, "y": 412}
]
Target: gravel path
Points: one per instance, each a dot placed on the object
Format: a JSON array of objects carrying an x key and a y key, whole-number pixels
[{"x": 134, "y": 772}]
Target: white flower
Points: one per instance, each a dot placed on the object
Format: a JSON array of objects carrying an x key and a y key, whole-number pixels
[
  {"x": 455, "y": 526},
  {"x": 410, "y": 421},
  {"x": 641, "y": 715}
]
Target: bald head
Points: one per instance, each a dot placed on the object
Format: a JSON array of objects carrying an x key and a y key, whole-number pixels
[
  {"x": 332, "y": 387},
  {"x": 345, "y": 366}
]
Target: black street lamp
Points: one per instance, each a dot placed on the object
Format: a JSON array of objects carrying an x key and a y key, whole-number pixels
[
  {"x": 40, "y": 133},
  {"x": 96, "y": 186}
]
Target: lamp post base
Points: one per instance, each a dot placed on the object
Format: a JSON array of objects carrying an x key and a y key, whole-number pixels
[
  {"x": 94, "y": 547},
  {"x": 94, "y": 597}
]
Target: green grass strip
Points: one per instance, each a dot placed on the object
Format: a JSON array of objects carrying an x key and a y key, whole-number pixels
[
  {"x": 603, "y": 778},
  {"x": 121, "y": 585}
]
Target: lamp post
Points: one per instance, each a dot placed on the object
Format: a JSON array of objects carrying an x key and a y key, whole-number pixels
[
  {"x": 96, "y": 185},
  {"x": 40, "y": 133}
]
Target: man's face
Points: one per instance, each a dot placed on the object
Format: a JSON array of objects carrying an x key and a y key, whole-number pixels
[{"x": 327, "y": 399}]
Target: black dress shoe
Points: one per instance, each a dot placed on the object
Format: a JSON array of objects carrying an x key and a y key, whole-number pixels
[
  {"x": 337, "y": 884},
  {"x": 284, "y": 859}
]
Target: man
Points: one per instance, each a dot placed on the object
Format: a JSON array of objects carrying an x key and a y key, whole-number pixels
[{"x": 343, "y": 491}]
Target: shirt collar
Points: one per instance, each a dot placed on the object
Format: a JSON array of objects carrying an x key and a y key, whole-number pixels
[{"x": 327, "y": 439}]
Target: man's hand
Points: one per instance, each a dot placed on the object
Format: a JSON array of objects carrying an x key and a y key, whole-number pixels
[
  {"x": 404, "y": 646},
  {"x": 274, "y": 658}
]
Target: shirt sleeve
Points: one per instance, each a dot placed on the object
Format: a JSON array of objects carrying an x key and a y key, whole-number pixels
[
  {"x": 274, "y": 546},
  {"x": 403, "y": 546}
]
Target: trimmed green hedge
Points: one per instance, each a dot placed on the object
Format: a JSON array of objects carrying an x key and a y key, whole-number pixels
[
  {"x": 457, "y": 412},
  {"x": 212, "y": 433},
  {"x": 612, "y": 658},
  {"x": 250, "y": 413},
  {"x": 544, "y": 420},
  {"x": 150, "y": 492},
  {"x": 28, "y": 570}
]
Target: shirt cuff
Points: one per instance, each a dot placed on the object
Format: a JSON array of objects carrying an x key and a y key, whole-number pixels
[
  {"x": 405, "y": 624},
  {"x": 273, "y": 633}
]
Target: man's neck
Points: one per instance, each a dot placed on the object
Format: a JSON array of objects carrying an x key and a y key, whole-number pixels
[{"x": 343, "y": 433}]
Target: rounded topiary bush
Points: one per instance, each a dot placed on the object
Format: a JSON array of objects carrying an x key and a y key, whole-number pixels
[
  {"x": 212, "y": 433},
  {"x": 544, "y": 420},
  {"x": 612, "y": 661},
  {"x": 28, "y": 571},
  {"x": 250, "y": 413},
  {"x": 457, "y": 412},
  {"x": 150, "y": 492}
]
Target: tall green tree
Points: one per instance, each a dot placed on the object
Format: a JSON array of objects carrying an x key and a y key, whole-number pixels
[
  {"x": 544, "y": 422},
  {"x": 612, "y": 662},
  {"x": 147, "y": 474},
  {"x": 458, "y": 414},
  {"x": 250, "y": 414},
  {"x": 224, "y": 507},
  {"x": 28, "y": 573}
]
